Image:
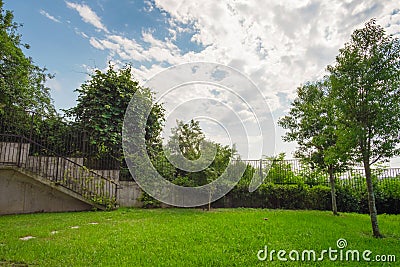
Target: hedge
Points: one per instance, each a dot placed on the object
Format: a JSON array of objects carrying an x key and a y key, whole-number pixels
[
  {"x": 304, "y": 196},
  {"x": 318, "y": 197}
]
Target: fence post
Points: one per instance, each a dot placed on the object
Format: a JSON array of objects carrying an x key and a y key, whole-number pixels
[
  {"x": 115, "y": 192},
  {"x": 57, "y": 168},
  {"x": 19, "y": 152},
  {"x": 261, "y": 172},
  {"x": 84, "y": 152},
  {"x": 31, "y": 129}
]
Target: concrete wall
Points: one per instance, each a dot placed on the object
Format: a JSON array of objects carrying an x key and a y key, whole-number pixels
[
  {"x": 128, "y": 194},
  {"x": 20, "y": 193}
]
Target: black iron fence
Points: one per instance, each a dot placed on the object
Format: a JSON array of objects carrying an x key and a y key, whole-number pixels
[
  {"x": 293, "y": 172},
  {"x": 58, "y": 152},
  {"x": 53, "y": 137},
  {"x": 60, "y": 136},
  {"x": 66, "y": 172}
]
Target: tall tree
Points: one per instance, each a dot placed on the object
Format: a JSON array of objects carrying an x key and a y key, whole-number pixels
[
  {"x": 186, "y": 141},
  {"x": 22, "y": 83},
  {"x": 187, "y": 138},
  {"x": 365, "y": 82},
  {"x": 189, "y": 141},
  {"x": 102, "y": 103},
  {"x": 311, "y": 122}
]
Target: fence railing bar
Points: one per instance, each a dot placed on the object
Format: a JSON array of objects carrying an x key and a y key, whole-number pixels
[{"x": 55, "y": 167}]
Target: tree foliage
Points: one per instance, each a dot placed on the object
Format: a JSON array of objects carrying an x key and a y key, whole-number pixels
[
  {"x": 189, "y": 140},
  {"x": 101, "y": 107},
  {"x": 312, "y": 123},
  {"x": 366, "y": 82},
  {"x": 22, "y": 83}
]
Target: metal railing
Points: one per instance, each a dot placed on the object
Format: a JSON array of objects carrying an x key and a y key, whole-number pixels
[
  {"x": 293, "y": 172},
  {"x": 59, "y": 135},
  {"x": 24, "y": 153},
  {"x": 54, "y": 145}
]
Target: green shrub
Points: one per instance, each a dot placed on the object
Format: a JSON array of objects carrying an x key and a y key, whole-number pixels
[
  {"x": 241, "y": 197},
  {"x": 351, "y": 196},
  {"x": 184, "y": 181},
  {"x": 388, "y": 196},
  {"x": 148, "y": 201},
  {"x": 285, "y": 196},
  {"x": 347, "y": 199},
  {"x": 303, "y": 196},
  {"x": 313, "y": 177},
  {"x": 319, "y": 198}
]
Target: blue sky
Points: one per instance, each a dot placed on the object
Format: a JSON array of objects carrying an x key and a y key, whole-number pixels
[
  {"x": 59, "y": 33},
  {"x": 276, "y": 44}
]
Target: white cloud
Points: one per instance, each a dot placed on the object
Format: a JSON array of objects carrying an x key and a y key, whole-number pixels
[
  {"x": 54, "y": 84},
  {"x": 88, "y": 15},
  {"x": 84, "y": 35},
  {"x": 149, "y": 6},
  {"x": 96, "y": 44},
  {"x": 50, "y": 17},
  {"x": 391, "y": 22},
  {"x": 277, "y": 44}
]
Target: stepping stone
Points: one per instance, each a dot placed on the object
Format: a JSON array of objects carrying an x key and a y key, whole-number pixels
[{"x": 27, "y": 238}]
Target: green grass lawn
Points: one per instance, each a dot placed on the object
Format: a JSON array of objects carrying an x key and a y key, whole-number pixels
[{"x": 188, "y": 237}]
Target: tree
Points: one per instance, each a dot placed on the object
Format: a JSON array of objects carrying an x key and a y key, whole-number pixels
[
  {"x": 102, "y": 103},
  {"x": 22, "y": 84},
  {"x": 280, "y": 171},
  {"x": 187, "y": 138},
  {"x": 365, "y": 83},
  {"x": 312, "y": 123},
  {"x": 189, "y": 141}
]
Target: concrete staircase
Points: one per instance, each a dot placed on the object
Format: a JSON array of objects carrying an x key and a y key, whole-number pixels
[{"x": 35, "y": 183}]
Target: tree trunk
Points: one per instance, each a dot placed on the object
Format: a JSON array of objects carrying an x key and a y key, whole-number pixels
[
  {"x": 371, "y": 200},
  {"x": 333, "y": 193}
]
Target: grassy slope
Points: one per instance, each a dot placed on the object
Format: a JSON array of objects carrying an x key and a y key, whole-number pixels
[{"x": 179, "y": 237}]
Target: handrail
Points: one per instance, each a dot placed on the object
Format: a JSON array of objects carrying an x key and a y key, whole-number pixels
[
  {"x": 106, "y": 199},
  {"x": 30, "y": 141}
]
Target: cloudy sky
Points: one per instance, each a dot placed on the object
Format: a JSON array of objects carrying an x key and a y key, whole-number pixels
[{"x": 276, "y": 44}]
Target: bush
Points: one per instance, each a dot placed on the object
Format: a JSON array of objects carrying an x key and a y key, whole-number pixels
[
  {"x": 319, "y": 198},
  {"x": 347, "y": 200},
  {"x": 285, "y": 196},
  {"x": 303, "y": 196},
  {"x": 277, "y": 196},
  {"x": 241, "y": 197},
  {"x": 148, "y": 201},
  {"x": 388, "y": 196}
]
